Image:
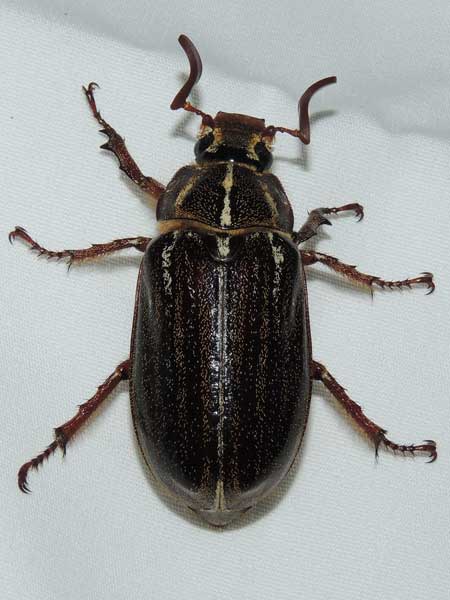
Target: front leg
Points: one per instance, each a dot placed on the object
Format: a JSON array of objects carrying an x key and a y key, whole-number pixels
[
  {"x": 375, "y": 433},
  {"x": 316, "y": 219},
  {"x": 116, "y": 145},
  {"x": 95, "y": 251},
  {"x": 310, "y": 257}
]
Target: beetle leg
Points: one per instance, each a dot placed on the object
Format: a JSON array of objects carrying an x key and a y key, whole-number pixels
[
  {"x": 310, "y": 257},
  {"x": 316, "y": 219},
  {"x": 95, "y": 251},
  {"x": 371, "y": 429},
  {"x": 116, "y": 145},
  {"x": 65, "y": 432}
]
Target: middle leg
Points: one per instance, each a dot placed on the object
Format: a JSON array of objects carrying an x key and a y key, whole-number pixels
[
  {"x": 95, "y": 251},
  {"x": 310, "y": 257}
]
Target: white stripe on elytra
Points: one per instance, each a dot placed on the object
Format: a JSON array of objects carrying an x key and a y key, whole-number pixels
[
  {"x": 278, "y": 259},
  {"x": 223, "y": 246},
  {"x": 166, "y": 262}
]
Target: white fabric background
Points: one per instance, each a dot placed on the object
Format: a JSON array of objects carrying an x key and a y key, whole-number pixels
[{"x": 341, "y": 526}]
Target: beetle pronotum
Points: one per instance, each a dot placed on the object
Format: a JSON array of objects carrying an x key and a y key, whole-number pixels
[{"x": 221, "y": 366}]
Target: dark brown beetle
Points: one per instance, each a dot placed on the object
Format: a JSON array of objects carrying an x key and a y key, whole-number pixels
[{"x": 221, "y": 367}]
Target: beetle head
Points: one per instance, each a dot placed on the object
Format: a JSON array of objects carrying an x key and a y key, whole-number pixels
[{"x": 231, "y": 136}]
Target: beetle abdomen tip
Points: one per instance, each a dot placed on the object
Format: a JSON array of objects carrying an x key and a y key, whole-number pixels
[{"x": 220, "y": 518}]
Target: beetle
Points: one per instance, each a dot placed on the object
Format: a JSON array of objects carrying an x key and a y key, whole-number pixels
[{"x": 221, "y": 366}]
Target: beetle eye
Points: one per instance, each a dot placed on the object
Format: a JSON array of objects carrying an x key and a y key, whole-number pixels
[
  {"x": 203, "y": 144},
  {"x": 264, "y": 155}
]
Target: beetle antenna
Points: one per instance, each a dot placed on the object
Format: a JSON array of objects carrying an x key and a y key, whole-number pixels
[
  {"x": 195, "y": 64},
  {"x": 303, "y": 133}
]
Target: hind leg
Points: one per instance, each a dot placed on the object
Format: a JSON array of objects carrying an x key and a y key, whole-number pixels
[
  {"x": 65, "y": 432},
  {"x": 376, "y": 433}
]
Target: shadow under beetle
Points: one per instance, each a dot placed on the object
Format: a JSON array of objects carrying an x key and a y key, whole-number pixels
[{"x": 220, "y": 366}]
